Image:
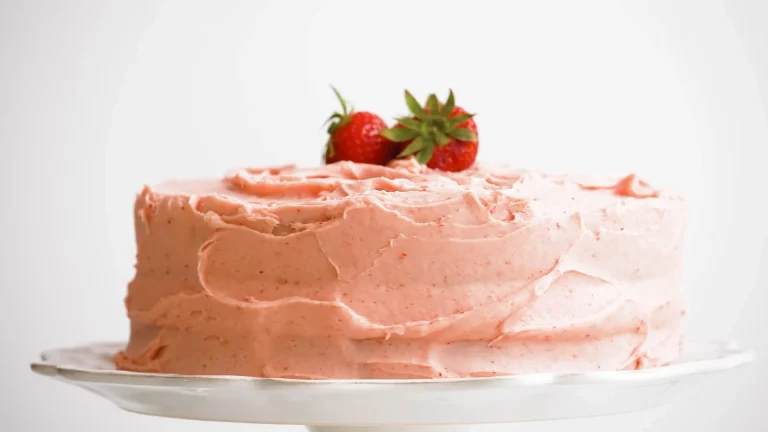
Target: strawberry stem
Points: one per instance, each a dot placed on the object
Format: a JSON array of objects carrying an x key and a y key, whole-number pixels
[
  {"x": 337, "y": 120},
  {"x": 341, "y": 100}
]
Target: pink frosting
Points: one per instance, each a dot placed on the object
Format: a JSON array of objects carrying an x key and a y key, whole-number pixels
[{"x": 360, "y": 271}]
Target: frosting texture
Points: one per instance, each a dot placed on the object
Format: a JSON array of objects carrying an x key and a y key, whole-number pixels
[{"x": 361, "y": 271}]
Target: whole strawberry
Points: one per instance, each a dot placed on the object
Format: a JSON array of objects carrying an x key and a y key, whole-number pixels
[
  {"x": 356, "y": 136},
  {"x": 443, "y": 136}
]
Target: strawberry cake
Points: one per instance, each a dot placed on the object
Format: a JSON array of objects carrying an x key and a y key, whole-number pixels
[{"x": 356, "y": 270}]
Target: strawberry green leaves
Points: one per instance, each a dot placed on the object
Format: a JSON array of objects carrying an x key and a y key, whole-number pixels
[
  {"x": 433, "y": 126},
  {"x": 450, "y": 104},
  {"x": 400, "y": 134},
  {"x": 414, "y": 106}
]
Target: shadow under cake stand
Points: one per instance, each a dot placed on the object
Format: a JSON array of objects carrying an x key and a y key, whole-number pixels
[{"x": 387, "y": 405}]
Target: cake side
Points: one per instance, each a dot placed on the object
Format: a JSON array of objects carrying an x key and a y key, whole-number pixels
[{"x": 362, "y": 271}]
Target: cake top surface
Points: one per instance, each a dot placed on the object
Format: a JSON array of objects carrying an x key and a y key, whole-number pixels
[{"x": 471, "y": 197}]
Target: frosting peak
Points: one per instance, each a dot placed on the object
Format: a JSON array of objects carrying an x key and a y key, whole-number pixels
[{"x": 629, "y": 186}]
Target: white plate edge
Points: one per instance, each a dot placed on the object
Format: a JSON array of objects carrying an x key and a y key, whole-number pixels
[{"x": 731, "y": 356}]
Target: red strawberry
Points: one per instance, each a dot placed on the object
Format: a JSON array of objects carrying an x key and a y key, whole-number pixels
[
  {"x": 356, "y": 136},
  {"x": 443, "y": 136}
]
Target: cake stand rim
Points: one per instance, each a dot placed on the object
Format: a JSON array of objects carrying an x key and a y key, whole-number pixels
[{"x": 730, "y": 355}]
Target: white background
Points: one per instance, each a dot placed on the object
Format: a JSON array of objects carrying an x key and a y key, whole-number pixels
[{"x": 99, "y": 97}]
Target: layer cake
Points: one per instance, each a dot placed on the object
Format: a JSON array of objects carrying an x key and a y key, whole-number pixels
[{"x": 363, "y": 271}]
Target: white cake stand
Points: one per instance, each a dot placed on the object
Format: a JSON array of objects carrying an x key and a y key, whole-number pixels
[{"x": 386, "y": 405}]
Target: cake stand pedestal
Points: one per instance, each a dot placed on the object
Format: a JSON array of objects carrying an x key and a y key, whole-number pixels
[{"x": 444, "y": 405}]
